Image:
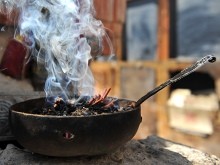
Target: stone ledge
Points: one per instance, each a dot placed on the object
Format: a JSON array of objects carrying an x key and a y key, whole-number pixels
[{"x": 152, "y": 150}]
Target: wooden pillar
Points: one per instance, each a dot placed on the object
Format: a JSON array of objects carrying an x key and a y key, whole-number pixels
[
  {"x": 163, "y": 55},
  {"x": 163, "y": 30}
]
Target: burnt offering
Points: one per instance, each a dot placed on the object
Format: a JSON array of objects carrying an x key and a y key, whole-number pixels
[{"x": 84, "y": 106}]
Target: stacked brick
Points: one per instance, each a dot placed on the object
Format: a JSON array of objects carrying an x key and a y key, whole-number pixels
[
  {"x": 112, "y": 13},
  {"x": 10, "y": 19}
]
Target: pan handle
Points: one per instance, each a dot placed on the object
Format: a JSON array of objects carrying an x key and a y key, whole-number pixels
[{"x": 183, "y": 73}]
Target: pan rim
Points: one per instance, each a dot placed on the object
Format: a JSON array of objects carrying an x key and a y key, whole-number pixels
[{"x": 13, "y": 110}]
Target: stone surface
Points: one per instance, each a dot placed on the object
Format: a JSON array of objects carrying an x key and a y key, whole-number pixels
[{"x": 152, "y": 150}]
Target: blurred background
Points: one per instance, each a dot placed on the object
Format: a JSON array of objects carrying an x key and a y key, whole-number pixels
[{"x": 153, "y": 40}]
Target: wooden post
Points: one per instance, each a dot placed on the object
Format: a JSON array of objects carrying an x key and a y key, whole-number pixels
[{"x": 163, "y": 49}]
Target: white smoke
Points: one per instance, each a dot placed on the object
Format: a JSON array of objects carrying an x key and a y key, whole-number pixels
[{"x": 59, "y": 28}]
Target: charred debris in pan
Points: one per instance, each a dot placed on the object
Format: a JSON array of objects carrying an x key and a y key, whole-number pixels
[{"x": 83, "y": 106}]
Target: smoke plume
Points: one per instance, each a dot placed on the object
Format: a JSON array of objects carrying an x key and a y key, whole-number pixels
[{"x": 57, "y": 32}]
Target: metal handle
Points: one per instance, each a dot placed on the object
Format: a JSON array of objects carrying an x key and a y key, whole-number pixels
[{"x": 183, "y": 73}]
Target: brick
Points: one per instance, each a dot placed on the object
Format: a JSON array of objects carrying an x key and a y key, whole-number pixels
[
  {"x": 111, "y": 10},
  {"x": 120, "y": 7},
  {"x": 117, "y": 46},
  {"x": 11, "y": 19},
  {"x": 114, "y": 31},
  {"x": 115, "y": 27},
  {"x": 106, "y": 45},
  {"x": 104, "y": 9}
]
